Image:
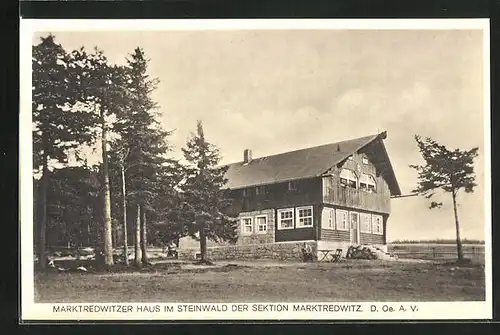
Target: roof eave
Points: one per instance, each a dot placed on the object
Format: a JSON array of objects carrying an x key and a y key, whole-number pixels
[{"x": 397, "y": 189}]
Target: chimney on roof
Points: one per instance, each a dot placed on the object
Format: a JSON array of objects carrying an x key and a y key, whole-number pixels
[
  {"x": 383, "y": 135},
  {"x": 247, "y": 156}
]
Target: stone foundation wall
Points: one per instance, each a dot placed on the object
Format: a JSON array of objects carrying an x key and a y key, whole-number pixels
[
  {"x": 257, "y": 237},
  {"x": 277, "y": 251}
]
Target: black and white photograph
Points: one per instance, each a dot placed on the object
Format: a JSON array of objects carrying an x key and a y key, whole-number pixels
[{"x": 255, "y": 169}]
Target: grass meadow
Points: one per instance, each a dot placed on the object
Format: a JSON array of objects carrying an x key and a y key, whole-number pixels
[{"x": 348, "y": 280}]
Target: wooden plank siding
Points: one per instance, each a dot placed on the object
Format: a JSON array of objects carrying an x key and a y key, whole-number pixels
[
  {"x": 308, "y": 192},
  {"x": 367, "y": 238},
  {"x": 299, "y": 234},
  {"x": 320, "y": 192},
  {"x": 335, "y": 235},
  {"x": 354, "y": 198},
  {"x": 336, "y": 194}
]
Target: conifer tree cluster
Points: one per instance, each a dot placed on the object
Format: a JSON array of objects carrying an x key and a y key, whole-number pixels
[{"x": 81, "y": 99}]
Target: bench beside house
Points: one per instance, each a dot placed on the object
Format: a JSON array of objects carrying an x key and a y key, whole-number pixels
[{"x": 328, "y": 197}]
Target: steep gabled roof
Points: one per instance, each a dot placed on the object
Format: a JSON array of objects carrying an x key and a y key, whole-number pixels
[{"x": 301, "y": 164}]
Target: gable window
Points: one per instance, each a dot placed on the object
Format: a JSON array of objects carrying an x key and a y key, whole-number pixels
[
  {"x": 292, "y": 185},
  {"x": 328, "y": 219},
  {"x": 246, "y": 226},
  {"x": 285, "y": 218},
  {"x": 304, "y": 217},
  {"x": 260, "y": 190},
  {"x": 348, "y": 178},
  {"x": 261, "y": 224},
  {"x": 367, "y": 183},
  {"x": 377, "y": 225},
  {"x": 365, "y": 222},
  {"x": 341, "y": 220}
]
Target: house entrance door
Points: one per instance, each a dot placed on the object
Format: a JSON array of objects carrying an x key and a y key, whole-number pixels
[{"x": 354, "y": 227}]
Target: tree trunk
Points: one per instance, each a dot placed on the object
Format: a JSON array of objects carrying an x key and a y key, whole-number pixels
[
  {"x": 203, "y": 243},
  {"x": 137, "y": 248},
  {"x": 460, "y": 253},
  {"x": 42, "y": 234},
  {"x": 108, "y": 237},
  {"x": 125, "y": 232},
  {"x": 144, "y": 258},
  {"x": 89, "y": 236}
]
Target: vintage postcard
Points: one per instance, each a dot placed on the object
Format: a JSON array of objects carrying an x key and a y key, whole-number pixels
[{"x": 255, "y": 170}]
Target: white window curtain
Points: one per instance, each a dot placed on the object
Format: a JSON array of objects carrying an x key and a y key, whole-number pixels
[
  {"x": 367, "y": 182},
  {"x": 348, "y": 174},
  {"x": 348, "y": 178},
  {"x": 377, "y": 225},
  {"x": 366, "y": 223},
  {"x": 341, "y": 220},
  {"x": 328, "y": 218}
]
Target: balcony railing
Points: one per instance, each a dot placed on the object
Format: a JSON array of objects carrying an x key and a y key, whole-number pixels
[{"x": 355, "y": 198}]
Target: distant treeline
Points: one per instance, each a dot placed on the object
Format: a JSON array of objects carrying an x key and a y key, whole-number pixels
[{"x": 437, "y": 241}]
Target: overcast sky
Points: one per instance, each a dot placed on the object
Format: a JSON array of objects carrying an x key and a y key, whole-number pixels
[{"x": 275, "y": 91}]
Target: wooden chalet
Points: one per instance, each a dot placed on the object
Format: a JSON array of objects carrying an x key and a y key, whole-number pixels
[{"x": 330, "y": 197}]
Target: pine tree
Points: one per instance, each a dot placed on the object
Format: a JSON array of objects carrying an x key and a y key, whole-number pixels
[
  {"x": 118, "y": 171},
  {"x": 141, "y": 133},
  {"x": 56, "y": 127},
  {"x": 205, "y": 200},
  {"x": 103, "y": 95},
  {"x": 449, "y": 170}
]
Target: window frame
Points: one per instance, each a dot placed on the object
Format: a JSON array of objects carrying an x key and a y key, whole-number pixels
[
  {"x": 381, "y": 224},
  {"x": 349, "y": 179},
  {"x": 260, "y": 190},
  {"x": 347, "y": 222},
  {"x": 243, "y": 225},
  {"x": 330, "y": 214},
  {"x": 297, "y": 215},
  {"x": 361, "y": 222},
  {"x": 245, "y": 192},
  {"x": 283, "y": 210},
  {"x": 368, "y": 181},
  {"x": 365, "y": 160},
  {"x": 292, "y": 186},
  {"x": 257, "y": 225}
]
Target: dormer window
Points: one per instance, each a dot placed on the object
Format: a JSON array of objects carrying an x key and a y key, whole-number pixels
[
  {"x": 292, "y": 186},
  {"x": 348, "y": 178},
  {"x": 367, "y": 183},
  {"x": 246, "y": 192},
  {"x": 260, "y": 190}
]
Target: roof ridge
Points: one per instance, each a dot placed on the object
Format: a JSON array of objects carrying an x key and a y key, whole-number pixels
[{"x": 308, "y": 148}]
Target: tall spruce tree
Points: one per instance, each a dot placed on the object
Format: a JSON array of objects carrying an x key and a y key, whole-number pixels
[
  {"x": 449, "y": 170},
  {"x": 205, "y": 200},
  {"x": 56, "y": 126},
  {"x": 103, "y": 95},
  {"x": 141, "y": 133}
]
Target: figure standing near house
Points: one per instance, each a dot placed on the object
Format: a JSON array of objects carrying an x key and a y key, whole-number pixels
[{"x": 307, "y": 253}]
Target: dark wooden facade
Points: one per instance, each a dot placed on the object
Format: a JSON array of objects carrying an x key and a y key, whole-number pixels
[
  {"x": 326, "y": 192},
  {"x": 281, "y": 195}
]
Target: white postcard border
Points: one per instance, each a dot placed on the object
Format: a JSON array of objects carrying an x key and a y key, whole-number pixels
[{"x": 426, "y": 310}]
